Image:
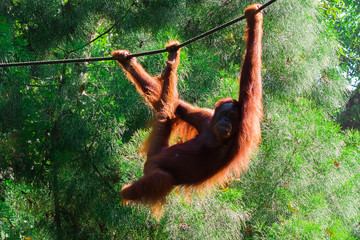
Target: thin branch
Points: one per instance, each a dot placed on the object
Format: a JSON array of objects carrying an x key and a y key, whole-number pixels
[
  {"x": 36, "y": 85},
  {"x": 104, "y": 33}
]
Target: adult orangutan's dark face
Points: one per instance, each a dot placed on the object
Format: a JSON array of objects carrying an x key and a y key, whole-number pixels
[{"x": 224, "y": 121}]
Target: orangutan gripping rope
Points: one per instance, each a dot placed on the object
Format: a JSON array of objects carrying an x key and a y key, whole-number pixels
[{"x": 225, "y": 138}]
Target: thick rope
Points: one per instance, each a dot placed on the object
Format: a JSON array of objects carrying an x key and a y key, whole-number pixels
[{"x": 141, "y": 53}]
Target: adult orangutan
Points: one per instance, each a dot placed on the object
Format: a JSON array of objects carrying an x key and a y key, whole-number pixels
[{"x": 225, "y": 138}]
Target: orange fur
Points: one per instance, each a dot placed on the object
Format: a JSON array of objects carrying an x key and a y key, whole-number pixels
[
  {"x": 151, "y": 189},
  {"x": 202, "y": 158}
]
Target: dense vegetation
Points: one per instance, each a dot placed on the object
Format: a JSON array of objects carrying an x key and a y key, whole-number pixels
[
  {"x": 344, "y": 16},
  {"x": 70, "y": 133}
]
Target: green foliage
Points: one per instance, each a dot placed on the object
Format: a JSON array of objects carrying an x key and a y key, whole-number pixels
[
  {"x": 344, "y": 15},
  {"x": 304, "y": 183},
  {"x": 296, "y": 59},
  {"x": 70, "y": 135}
]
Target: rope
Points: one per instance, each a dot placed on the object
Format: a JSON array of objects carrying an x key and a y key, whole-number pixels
[
  {"x": 20, "y": 64},
  {"x": 205, "y": 34}
]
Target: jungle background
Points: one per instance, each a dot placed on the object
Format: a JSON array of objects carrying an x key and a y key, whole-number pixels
[{"x": 70, "y": 133}]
